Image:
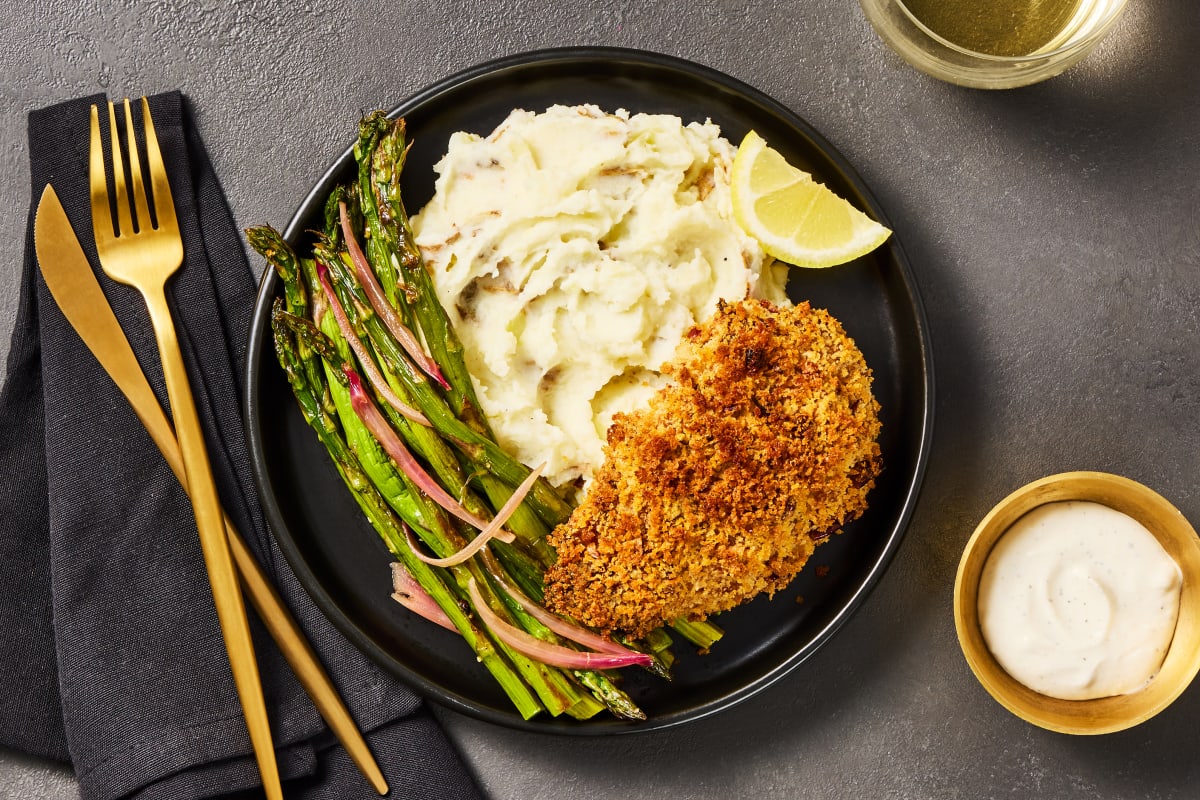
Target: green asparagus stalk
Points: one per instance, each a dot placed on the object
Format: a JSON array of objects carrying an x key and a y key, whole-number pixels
[
  {"x": 380, "y": 249},
  {"x": 390, "y": 528},
  {"x": 702, "y": 633},
  {"x": 369, "y": 497},
  {"x": 387, "y": 215},
  {"x": 556, "y": 693},
  {"x": 387, "y": 220},
  {"x": 386, "y": 163},
  {"x": 481, "y": 451},
  {"x": 439, "y": 454},
  {"x": 271, "y": 246}
]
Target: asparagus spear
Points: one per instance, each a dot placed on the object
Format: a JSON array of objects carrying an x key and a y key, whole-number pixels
[
  {"x": 280, "y": 256},
  {"x": 386, "y": 214},
  {"x": 557, "y": 694},
  {"x": 381, "y": 249},
  {"x": 386, "y": 163},
  {"x": 380, "y": 152},
  {"x": 430, "y": 523},
  {"x": 389, "y": 527},
  {"x": 484, "y": 454},
  {"x": 307, "y": 385}
]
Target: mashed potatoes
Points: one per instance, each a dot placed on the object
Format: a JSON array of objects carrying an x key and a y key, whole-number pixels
[{"x": 572, "y": 249}]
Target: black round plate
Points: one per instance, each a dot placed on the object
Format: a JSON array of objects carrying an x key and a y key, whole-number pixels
[{"x": 344, "y": 565}]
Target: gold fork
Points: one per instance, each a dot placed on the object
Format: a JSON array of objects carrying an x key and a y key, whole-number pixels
[
  {"x": 145, "y": 257},
  {"x": 73, "y": 285}
]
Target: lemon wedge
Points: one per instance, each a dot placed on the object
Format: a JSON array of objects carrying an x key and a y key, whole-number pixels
[{"x": 796, "y": 219}]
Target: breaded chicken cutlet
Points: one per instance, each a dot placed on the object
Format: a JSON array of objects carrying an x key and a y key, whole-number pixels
[{"x": 763, "y": 445}]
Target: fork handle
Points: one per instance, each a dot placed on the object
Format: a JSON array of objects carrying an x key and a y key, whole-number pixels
[{"x": 218, "y": 559}]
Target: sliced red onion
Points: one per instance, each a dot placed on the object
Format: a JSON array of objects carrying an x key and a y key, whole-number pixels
[
  {"x": 370, "y": 284},
  {"x": 494, "y": 529},
  {"x": 390, "y": 441},
  {"x": 368, "y": 364},
  {"x": 410, "y": 594},
  {"x": 553, "y": 654},
  {"x": 559, "y": 625}
]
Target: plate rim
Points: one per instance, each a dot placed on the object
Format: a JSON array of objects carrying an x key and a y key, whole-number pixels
[{"x": 257, "y": 347}]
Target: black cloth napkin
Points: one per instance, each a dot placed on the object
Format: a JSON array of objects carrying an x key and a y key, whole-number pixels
[{"x": 112, "y": 657}]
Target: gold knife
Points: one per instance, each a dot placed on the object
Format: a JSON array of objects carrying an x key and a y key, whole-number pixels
[{"x": 75, "y": 289}]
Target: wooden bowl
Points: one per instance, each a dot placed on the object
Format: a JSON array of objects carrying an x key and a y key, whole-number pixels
[{"x": 1108, "y": 714}]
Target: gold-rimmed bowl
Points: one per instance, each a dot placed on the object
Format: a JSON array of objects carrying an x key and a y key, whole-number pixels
[{"x": 1106, "y": 714}]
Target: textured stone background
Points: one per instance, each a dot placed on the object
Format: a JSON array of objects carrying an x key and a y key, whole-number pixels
[{"x": 1055, "y": 233}]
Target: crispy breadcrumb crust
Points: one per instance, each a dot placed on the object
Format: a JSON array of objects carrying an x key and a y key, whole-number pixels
[{"x": 763, "y": 445}]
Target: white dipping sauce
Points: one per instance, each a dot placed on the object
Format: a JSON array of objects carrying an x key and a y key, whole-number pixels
[{"x": 1079, "y": 601}]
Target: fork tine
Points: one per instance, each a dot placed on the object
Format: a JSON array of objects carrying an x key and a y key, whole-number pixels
[
  {"x": 164, "y": 204},
  {"x": 124, "y": 221},
  {"x": 102, "y": 219},
  {"x": 140, "y": 207}
]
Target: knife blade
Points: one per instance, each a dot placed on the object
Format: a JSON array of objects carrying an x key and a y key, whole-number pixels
[{"x": 77, "y": 292}]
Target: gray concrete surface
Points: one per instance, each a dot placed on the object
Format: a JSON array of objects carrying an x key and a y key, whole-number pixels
[{"x": 1055, "y": 232}]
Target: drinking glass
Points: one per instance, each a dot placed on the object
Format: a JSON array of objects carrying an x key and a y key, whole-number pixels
[{"x": 971, "y": 61}]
